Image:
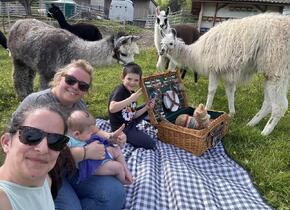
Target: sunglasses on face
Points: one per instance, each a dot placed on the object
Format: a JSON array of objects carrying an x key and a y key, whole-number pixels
[
  {"x": 33, "y": 136},
  {"x": 71, "y": 80}
]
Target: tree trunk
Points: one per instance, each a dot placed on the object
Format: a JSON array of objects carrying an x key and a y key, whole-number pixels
[{"x": 27, "y": 6}]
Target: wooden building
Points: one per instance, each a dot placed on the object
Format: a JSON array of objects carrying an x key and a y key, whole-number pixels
[
  {"x": 142, "y": 8},
  {"x": 211, "y": 12}
]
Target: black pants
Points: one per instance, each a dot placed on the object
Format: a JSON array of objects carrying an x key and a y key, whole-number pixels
[{"x": 136, "y": 137}]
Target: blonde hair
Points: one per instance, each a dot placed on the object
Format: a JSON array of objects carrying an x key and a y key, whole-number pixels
[{"x": 80, "y": 63}]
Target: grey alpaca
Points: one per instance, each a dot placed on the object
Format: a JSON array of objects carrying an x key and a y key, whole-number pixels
[{"x": 38, "y": 47}]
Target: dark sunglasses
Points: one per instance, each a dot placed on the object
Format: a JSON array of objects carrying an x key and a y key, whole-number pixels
[
  {"x": 71, "y": 80},
  {"x": 33, "y": 136}
]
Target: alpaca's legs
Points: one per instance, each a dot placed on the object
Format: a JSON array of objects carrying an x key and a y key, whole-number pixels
[
  {"x": 279, "y": 103},
  {"x": 212, "y": 86},
  {"x": 44, "y": 81},
  {"x": 230, "y": 91},
  {"x": 161, "y": 63},
  {"x": 264, "y": 111},
  {"x": 171, "y": 66},
  {"x": 23, "y": 77}
]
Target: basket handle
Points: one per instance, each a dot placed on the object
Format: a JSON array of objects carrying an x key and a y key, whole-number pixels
[{"x": 215, "y": 134}]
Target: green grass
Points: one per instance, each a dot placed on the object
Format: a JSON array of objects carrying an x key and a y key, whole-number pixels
[{"x": 267, "y": 159}]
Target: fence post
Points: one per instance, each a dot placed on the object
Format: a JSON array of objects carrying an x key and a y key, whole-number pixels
[{"x": 8, "y": 14}]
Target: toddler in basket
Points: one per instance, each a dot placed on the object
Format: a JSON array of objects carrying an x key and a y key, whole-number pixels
[
  {"x": 199, "y": 120},
  {"x": 123, "y": 107},
  {"x": 81, "y": 132}
]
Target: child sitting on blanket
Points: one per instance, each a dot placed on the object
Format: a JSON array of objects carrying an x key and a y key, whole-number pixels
[
  {"x": 80, "y": 130},
  {"x": 199, "y": 120},
  {"x": 123, "y": 107}
]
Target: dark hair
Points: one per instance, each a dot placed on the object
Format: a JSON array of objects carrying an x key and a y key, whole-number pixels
[
  {"x": 19, "y": 117},
  {"x": 65, "y": 161},
  {"x": 132, "y": 68}
]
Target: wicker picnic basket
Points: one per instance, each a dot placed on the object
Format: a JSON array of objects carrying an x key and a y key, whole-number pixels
[{"x": 194, "y": 141}]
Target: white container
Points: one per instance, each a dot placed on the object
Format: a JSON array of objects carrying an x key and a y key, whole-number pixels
[{"x": 121, "y": 10}]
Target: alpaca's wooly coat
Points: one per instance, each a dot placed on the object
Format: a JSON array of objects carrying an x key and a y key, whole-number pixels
[
  {"x": 242, "y": 47},
  {"x": 233, "y": 51},
  {"x": 187, "y": 33},
  {"x": 38, "y": 47},
  {"x": 85, "y": 31}
]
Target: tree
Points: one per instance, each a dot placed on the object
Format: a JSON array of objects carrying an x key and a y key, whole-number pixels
[
  {"x": 175, "y": 5},
  {"x": 27, "y": 5},
  {"x": 163, "y": 3}
]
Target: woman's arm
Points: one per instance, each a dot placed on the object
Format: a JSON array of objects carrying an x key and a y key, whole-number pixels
[{"x": 94, "y": 151}]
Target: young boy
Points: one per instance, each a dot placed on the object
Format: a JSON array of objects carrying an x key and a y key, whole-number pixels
[
  {"x": 123, "y": 107},
  {"x": 81, "y": 126}
]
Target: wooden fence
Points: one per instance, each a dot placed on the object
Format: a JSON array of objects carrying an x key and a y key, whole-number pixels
[
  {"x": 10, "y": 11},
  {"x": 179, "y": 17}
]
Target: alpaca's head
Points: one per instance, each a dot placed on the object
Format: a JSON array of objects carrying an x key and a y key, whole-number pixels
[
  {"x": 125, "y": 48},
  {"x": 162, "y": 18},
  {"x": 54, "y": 12},
  {"x": 168, "y": 42}
]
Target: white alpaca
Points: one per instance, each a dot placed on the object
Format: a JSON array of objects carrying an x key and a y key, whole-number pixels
[
  {"x": 161, "y": 26},
  {"x": 38, "y": 47},
  {"x": 187, "y": 32},
  {"x": 233, "y": 51}
]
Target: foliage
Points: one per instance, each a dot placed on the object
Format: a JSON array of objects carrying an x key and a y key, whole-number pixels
[
  {"x": 163, "y": 3},
  {"x": 175, "y": 5},
  {"x": 266, "y": 159}
]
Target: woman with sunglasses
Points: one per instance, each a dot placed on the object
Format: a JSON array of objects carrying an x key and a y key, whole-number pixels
[
  {"x": 68, "y": 87},
  {"x": 32, "y": 145}
]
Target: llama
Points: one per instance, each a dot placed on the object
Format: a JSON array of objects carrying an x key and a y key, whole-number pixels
[
  {"x": 38, "y": 47},
  {"x": 234, "y": 50},
  {"x": 187, "y": 33},
  {"x": 85, "y": 31}
]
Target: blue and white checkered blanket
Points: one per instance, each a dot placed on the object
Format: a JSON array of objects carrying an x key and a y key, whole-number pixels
[{"x": 169, "y": 178}]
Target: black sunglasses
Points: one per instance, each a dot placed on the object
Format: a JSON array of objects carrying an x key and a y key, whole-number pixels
[
  {"x": 71, "y": 80},
  {"x": 33, "y": 136}
]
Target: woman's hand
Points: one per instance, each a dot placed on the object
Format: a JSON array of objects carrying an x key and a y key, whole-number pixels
[{"x": 95, "y": 151}]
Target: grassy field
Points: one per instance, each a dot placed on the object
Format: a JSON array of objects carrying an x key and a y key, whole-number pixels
[{"x": 267, "y": 159}]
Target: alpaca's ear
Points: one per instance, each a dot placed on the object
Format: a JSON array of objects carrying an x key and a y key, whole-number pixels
[
  {"x": 135, "y": 38},
  {"x": 157, "y": 11},
  {"x": 173, "y": 31},
  {"x": 122, "y": 40},
  {"x": 167, "y": 11}
]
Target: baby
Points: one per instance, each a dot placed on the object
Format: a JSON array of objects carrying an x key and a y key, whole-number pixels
[
  {"x": 199, "y": 120},
  {"x": 80, "y": 130}
]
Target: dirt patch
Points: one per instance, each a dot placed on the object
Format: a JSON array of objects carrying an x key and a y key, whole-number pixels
[
  {"x": 147, "y": 39},
  {"x": 147, "y": 36}
]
